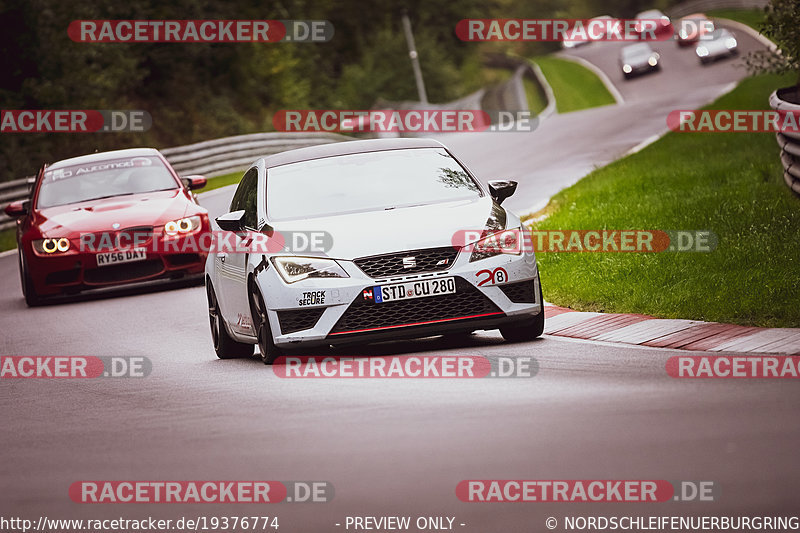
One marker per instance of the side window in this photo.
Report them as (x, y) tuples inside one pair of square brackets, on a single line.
[(246, 197)]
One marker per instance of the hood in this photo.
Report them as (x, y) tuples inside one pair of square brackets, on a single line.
[(144, 209), (407, 228)]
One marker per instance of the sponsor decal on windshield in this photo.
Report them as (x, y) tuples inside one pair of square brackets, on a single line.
[(101, 166)]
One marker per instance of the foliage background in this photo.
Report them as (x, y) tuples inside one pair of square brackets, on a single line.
[(196, 92)]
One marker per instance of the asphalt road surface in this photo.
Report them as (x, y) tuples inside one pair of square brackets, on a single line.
[(593, 411)]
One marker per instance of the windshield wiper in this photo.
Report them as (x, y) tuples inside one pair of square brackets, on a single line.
[(108, 196)]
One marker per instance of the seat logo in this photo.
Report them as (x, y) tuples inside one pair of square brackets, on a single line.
[(409, 262)]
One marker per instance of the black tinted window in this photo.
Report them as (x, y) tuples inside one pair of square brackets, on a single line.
[(246, 198)]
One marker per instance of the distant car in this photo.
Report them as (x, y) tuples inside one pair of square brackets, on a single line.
[(663, 24), (568, 43), (637, 59), (718, 44), (94, 221), (692, 28), (396, 267)]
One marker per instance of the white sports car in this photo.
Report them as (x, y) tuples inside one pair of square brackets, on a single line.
[(398, 264)]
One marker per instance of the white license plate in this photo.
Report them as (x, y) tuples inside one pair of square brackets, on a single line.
[(127, 256), (409, 290)]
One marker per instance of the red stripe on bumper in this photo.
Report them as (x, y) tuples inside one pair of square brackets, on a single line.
[(418, 323)]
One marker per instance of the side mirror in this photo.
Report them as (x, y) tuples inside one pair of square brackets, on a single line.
[(502, 189), (17, 209), (194, 183), (231, 221)]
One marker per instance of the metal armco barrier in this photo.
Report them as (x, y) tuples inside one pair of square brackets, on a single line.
[(788, 141), (210, 158)]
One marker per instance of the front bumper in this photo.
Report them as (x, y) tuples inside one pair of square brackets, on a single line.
[(335, 311), (77, 270)]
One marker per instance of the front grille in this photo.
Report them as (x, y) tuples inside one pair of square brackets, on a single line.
[(62, 277), (138, 236), (387, 265), (365, 314), (521, 292), (182, 259), (300, 319), (123, 272)]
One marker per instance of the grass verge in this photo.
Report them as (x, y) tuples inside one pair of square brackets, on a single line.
[(8, 239), (751, 17), (728, 183), (222, 181), (537, 101), (575, 87)]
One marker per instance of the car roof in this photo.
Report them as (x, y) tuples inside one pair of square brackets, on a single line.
[(346, 148), (104, 156), (650, 12)]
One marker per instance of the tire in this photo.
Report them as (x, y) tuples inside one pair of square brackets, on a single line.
[(225, 346), (258, 311), (28, 290), (527, 330)]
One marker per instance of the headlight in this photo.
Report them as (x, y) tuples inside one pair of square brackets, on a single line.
[(182, 226), (294, 269), (51, 246), (702, 51), (508, 241), (684, 34), (626, 69), (568, 44), (653, 61), (731, 43)]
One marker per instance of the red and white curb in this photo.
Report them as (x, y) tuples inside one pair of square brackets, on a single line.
[(668, 333)]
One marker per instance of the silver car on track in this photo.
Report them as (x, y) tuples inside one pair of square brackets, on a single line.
[(416, 247)]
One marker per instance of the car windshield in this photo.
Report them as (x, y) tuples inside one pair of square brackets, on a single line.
[(64, 185), (366, 182), (636, 50), (719, 34)]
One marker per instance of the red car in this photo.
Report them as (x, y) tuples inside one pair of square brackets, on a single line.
[(108, 219)]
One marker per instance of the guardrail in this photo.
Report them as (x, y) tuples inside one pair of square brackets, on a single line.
[(508, 95), (210, 158), (788, 141), (699, 6)]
